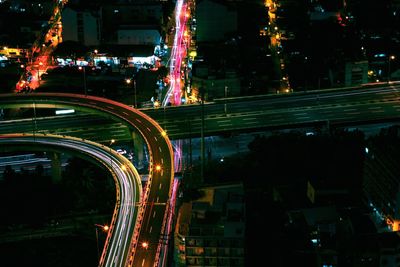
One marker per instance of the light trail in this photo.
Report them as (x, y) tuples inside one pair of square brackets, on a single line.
[(127, 183), (174, 96), (169, 229), (41, 51), (178, 53), (148, 128)]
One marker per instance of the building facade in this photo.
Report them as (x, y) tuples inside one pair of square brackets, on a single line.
[(81, 26), (210, 231), (215, 20)]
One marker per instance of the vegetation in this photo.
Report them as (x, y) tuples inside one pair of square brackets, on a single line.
[(32, 198)]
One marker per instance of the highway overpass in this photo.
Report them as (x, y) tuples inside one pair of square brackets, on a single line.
[(335, 108), (156, 200), (127, 183)]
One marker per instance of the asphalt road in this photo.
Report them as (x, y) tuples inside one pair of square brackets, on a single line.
[(155, 202), (336, 107), (127, 181)]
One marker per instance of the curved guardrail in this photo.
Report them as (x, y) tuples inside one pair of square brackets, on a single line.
[(160, 150)]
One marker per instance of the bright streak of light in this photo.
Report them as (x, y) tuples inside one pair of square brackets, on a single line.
[(43, 48), (177, 54), (177, 145), (170, 218), (64, 111)]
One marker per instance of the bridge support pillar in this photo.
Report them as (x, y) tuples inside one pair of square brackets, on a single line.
[(55, 167), (138, 148)]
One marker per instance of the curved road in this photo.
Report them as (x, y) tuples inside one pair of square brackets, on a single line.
[(155, 202), (127, 182)]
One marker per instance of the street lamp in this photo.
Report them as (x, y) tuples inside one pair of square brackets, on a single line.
[(112, 141), (134, 88), (389, 60), (145, 245), (84, 78), (156, 104), (128, 81), (226, 95), (158, 168), (38, 72), (104, 228)]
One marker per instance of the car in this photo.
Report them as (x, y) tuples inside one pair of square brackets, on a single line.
[(121, 151)]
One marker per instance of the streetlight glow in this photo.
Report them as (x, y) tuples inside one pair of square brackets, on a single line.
[(105, 228), (392, 57), (158, 167), (145, 245), (84, 78)]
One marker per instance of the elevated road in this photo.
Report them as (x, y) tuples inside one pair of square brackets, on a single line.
[(127, 183), (155, 202), (334, 107)]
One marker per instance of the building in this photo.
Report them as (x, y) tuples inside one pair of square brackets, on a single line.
[(81, 26), (122, 22), (138, 35), (381, 183), (389, 244), (14, 53), (227, 85), (356, 73), (210, 231), (379, 249), (216, 20)]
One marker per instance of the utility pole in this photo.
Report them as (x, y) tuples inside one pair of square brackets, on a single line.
[(38, 72), (134, 88), (190, 145), (226, 95), (84, 78), (202, 133), (390, 58), (34, 121)]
